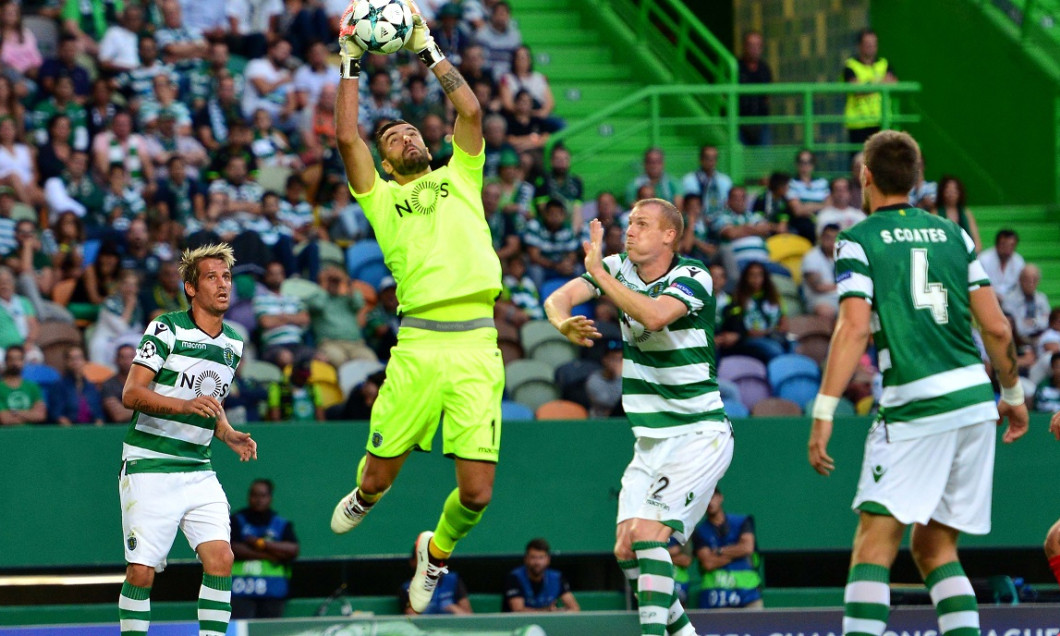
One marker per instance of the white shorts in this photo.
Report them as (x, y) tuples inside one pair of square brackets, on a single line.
[(947, 477), (671, 480), (154, 505)]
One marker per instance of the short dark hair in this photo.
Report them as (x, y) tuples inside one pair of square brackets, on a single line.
[(555, 203), (538, 544), (864, 33), (15, 347), (1054, 358), (270, 195), (778, 179), (1054, 314), (267, 482), (831, 184), (831, 227), (893, 158), (1005, 233)]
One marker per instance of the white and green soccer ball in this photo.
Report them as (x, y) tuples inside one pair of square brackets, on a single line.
[(382, 26)]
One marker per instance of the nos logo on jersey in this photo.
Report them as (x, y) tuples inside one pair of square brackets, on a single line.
[(424, 198), (205, 383)]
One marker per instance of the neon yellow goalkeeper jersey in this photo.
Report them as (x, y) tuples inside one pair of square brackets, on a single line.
[(436, 241)]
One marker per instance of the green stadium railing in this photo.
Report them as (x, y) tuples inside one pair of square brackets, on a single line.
[(730, 121)]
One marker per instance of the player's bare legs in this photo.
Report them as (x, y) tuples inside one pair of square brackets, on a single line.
[(876, 540), (868, 593), (934, 548), (375, 475), (641, 550), (139, 575)]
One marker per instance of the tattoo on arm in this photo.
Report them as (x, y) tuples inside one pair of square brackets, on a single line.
[(451, 80), (142, 406), (1013, 364)]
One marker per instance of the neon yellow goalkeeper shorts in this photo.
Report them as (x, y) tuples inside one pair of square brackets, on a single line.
[(453, 378)]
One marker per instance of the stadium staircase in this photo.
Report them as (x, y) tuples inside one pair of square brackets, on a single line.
[(1039, 231), (585, 49)]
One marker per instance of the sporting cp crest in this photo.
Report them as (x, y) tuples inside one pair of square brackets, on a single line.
[(230, 357)]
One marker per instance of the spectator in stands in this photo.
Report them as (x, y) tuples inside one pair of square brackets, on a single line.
[(1047, 397), (271, 147), (264, 545), (54, 153), (120, 317), (219, 117), (925, 193), (18, 318), (526, 131), (165, 295), (77, 192), (251, 23), (418, 105), (864, 110), (179, 197), (18, 45), (121, 146), (30, 264), (742, 233), (311, 77), (1002, 263), (101, 107), (534, 587), (1025, 355), (818, 275), (754, 70), (558, 183), (162, 103), (755, 316), (75, 400), (207, 18), (951, 206), (358, 405), (1028, 306), (334, 318), (708, 183), (840, 212), (655, 175), (65, 63), (1049, 341), (283, 320), (604, 385), (294, 399), (499, 39), (119, 48), (121, 200), (303, 23), (719, 281), (137, 84), (517, 195), (450, 594), (504, 228), (62, 127), (523, 77), (243, 195), (18, 170), (451, 35), (700, 241), (381, 324), (551, 245), (114, 411), (180, 45), (495, 137), (773, 204), (270, 85), (807, 195), (857, 162), (10, 105), (520, 294), (21, 400), (725, 547), (438, 143), (380, 105)]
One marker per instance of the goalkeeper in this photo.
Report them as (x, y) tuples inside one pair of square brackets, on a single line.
[(436, 242)]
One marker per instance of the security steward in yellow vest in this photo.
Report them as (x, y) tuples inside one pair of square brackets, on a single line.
[(864, 111)]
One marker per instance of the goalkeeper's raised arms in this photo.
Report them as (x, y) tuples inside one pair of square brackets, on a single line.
[(421, 42)]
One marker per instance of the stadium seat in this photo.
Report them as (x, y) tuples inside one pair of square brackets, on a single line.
[(561, 410), (97, 373), (513, 411), (510, 351), (55, 338), (542, 342), (273, 178), (789, 295), (89, 251), (324, 376), (791, 365), (355, 372), (730, 396), (788, 250), (845, 408), (530, 382), (799, 390), (331, 254), (749, 375), (813, 346), (261, 372), (249, 352), (776, 407), (42, 374), (864, 405), (551, 285), (364, 261), (304, 290)]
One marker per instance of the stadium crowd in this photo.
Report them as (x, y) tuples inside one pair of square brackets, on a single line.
[(130, 131)]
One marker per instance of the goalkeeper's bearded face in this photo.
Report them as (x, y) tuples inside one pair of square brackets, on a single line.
[(404, 149)]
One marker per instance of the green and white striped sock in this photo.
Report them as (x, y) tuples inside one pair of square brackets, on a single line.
[(134, 609), (867, 600), (215, 604), (655, 586), (632, 572), (677, 623), (954, 600)]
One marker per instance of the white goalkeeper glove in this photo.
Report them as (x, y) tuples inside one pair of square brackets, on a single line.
[(350, 52), (421, 42)]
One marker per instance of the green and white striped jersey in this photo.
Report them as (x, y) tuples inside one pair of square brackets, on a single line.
[(188, 363), (917, 270), (669, 379)]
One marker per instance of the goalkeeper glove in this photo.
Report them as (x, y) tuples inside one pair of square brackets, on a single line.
[(421, 42), (350, 52)]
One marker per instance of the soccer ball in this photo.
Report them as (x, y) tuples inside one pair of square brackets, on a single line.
[(381, 26)]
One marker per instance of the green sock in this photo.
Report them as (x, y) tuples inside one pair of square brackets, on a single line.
[(134, 609), (954, 600), (655, 586), (215, 604), (456, 521), (867, 600), (632, 572), (677, 623)]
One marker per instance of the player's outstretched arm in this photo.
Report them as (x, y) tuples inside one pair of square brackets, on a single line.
[(467, 132), (138, 396), (360, 168), (578, 329), (851, 334), (997, 340)]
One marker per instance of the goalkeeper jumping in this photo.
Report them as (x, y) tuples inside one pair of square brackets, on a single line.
[(435, 240)]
